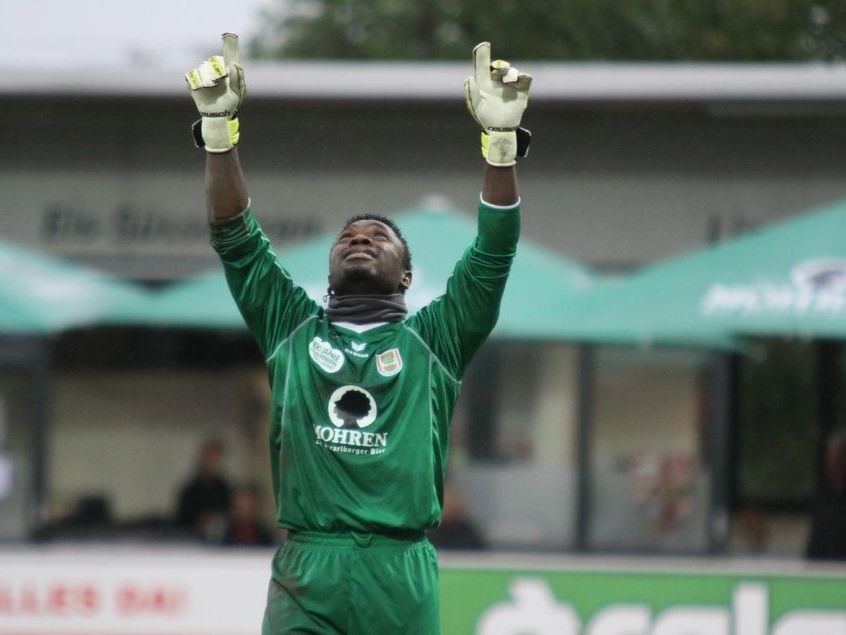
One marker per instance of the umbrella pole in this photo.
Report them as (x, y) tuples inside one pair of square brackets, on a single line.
[(719, 448), (41, 389), (584, 432)]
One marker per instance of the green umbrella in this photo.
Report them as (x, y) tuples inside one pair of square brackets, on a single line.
[(788, 279), (541, 282), (41, 294)]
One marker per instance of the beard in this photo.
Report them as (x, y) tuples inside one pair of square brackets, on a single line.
[(359, 279), (357, 273)]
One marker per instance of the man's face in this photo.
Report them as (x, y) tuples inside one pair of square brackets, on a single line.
[(367, 258), (211, 459)]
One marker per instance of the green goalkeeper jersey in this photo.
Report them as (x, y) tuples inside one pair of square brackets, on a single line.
[(359, 432)]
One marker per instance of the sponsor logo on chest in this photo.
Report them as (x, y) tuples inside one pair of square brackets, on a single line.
[(324, 355), (356, 349), (351, 409)]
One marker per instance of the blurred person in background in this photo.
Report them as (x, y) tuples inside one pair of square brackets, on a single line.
[(362, 393), (456, 530), (205, 498), (827, 539), (244, 527), (87, 518)]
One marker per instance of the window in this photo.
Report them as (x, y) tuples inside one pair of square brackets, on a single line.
[(648, 475), (514, 457)]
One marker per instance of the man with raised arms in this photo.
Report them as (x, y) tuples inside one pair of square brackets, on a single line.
[(362, 392)]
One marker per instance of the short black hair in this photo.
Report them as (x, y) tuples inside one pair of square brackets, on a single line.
[(406, 261)]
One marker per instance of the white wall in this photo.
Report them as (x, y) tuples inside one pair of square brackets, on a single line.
[(645, 408), (612, 185), (133, 436)]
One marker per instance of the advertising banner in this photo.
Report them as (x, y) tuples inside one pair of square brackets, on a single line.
[(131, 591), (616, 602)]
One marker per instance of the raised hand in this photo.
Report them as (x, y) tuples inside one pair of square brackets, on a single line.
[(496, 96), (218, 89)]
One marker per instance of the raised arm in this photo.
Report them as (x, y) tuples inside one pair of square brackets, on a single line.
[(499, 186), (496, 95), (226, 190), (271, 304), (218, 89), (456, 324)]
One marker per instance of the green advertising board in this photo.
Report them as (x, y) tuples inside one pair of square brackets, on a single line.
[(578, 602)]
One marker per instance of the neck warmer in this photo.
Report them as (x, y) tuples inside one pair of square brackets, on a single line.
[(364, 309)]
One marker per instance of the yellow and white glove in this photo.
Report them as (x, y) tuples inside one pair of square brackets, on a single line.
[(496, 96), (218, 89)]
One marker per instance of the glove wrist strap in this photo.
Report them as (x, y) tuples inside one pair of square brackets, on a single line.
[(499, 147), (523, 138), (216, 134)]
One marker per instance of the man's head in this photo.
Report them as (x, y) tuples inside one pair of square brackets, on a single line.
[(370, 256), (210, 459)]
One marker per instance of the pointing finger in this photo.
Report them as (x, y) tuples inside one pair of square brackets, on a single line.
[(231, 53), (482, 62)]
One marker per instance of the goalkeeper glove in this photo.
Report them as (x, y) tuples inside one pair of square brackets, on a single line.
[(218, 90), (496, 96)]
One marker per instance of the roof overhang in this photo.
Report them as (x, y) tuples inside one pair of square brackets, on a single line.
[(553, 82)]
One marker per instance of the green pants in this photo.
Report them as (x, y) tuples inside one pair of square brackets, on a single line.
[(353, 584)]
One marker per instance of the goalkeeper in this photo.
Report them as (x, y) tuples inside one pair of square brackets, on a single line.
[(362, 393)]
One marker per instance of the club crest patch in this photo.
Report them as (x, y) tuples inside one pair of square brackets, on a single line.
[(389, 363), (328, 358)]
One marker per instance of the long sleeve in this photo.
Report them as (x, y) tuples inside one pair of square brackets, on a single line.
[(455, 324), (271, 304)]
